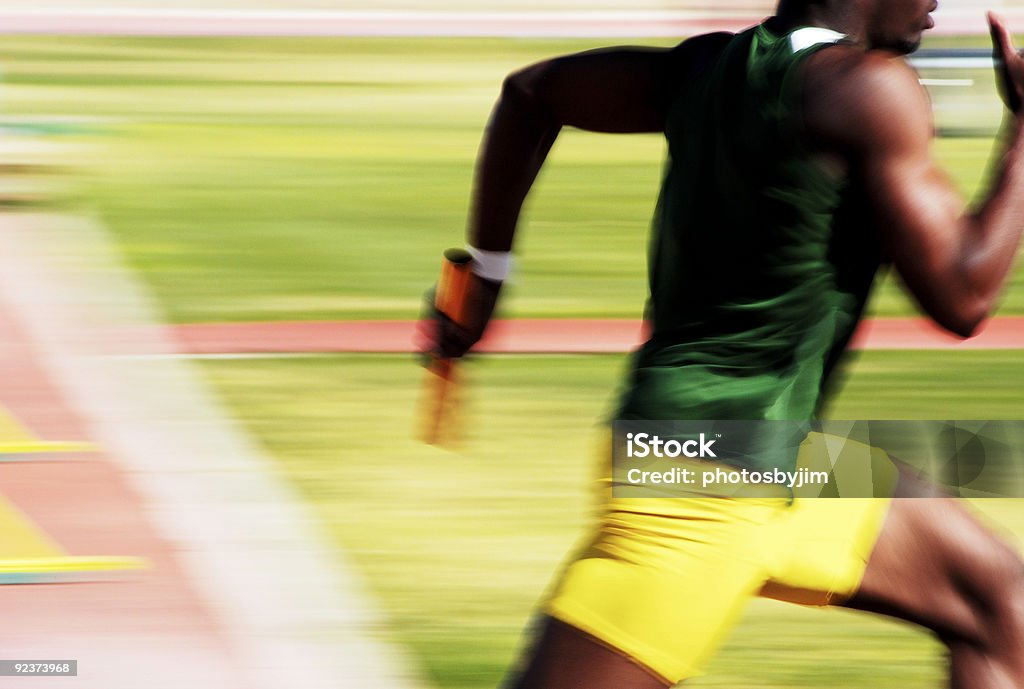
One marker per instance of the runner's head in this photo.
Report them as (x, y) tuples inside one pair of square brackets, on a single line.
[(898, 25), (895, 25)]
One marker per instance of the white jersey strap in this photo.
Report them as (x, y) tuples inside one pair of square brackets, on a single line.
[(810, 36)]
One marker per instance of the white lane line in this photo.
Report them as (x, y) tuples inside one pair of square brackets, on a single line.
[(295, 614), (946, 82)]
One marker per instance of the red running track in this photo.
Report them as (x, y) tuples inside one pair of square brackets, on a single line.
[(149, 628), (541, 336)]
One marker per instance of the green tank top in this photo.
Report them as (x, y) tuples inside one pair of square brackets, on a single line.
[(758, 275)]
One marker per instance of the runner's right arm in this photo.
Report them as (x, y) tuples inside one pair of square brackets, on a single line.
[(870, 110)]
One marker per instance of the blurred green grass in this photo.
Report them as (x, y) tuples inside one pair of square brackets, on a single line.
[(459, 546), (279, 179)]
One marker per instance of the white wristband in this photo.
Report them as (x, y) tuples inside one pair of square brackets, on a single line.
[(491, 265)]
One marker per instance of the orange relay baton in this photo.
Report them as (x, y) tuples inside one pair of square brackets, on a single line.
[(440, 390)]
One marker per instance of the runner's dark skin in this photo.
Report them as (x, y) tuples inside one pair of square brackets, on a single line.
[(867, 118)]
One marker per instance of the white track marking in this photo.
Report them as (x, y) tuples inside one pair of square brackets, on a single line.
[(952, 62), (293, 612), (947, 82)]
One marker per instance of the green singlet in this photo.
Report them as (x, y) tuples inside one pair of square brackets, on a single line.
[(759, 265)]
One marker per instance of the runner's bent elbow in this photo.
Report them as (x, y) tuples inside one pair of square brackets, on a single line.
[(523, 90)]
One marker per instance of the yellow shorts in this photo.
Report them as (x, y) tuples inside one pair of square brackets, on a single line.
[(663, 580)]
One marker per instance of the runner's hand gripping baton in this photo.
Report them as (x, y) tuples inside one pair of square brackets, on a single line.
[(440, 391)]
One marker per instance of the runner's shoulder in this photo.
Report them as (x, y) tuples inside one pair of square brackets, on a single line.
[(851, 93), (697, 53), (850, 73)]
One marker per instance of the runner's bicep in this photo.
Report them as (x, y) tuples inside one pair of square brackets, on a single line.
[(613, 90)]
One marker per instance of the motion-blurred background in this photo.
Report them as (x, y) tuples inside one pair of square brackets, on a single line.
[(272, 179)]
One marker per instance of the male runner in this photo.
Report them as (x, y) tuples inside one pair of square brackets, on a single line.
[(798, 158)]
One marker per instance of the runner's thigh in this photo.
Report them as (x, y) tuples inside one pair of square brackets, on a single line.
[(935, 565)]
